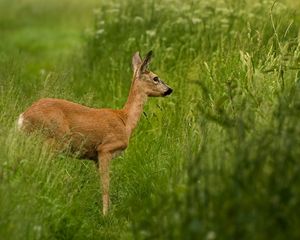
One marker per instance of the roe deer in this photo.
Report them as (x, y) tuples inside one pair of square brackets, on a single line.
[(97, 134)]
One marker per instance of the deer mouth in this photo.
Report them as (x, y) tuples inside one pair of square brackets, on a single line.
[(168, 92)]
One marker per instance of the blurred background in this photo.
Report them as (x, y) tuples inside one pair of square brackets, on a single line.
[(218, 159)]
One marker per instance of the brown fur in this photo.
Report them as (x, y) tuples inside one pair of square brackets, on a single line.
[(98, 134)]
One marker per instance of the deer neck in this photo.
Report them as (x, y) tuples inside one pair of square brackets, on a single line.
[(134, 106)]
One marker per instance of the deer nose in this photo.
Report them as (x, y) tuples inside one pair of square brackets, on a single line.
[(168, 92)]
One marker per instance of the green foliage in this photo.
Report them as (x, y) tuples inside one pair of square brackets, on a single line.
[(218, 159)]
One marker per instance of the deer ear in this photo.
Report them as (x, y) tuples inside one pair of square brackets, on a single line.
[(146, 61), (136, 61)]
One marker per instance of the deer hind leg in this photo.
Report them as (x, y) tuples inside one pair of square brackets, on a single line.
[(104, 160), (57, 132)]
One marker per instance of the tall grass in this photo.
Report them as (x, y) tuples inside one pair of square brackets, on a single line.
[(218, 159)]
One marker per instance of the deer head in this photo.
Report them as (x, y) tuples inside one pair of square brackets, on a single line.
[(147, 81)]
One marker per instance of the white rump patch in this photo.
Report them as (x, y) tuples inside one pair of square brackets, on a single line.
[(20, 121)]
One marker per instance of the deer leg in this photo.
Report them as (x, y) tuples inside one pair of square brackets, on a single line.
[(104, 160), (105, 154)]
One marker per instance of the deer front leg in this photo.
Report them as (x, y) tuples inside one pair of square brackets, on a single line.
[(105, 153), (104, 160)]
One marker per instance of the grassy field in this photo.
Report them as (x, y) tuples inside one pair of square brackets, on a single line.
[(218, 159)]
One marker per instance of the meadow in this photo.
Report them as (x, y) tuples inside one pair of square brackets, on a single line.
[(218, 159)]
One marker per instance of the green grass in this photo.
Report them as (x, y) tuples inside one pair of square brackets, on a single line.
[(218, 159)]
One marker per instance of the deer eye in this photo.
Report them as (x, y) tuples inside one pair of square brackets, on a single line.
[(156, 79)]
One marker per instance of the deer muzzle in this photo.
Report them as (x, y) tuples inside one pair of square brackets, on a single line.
[(168, 92)]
